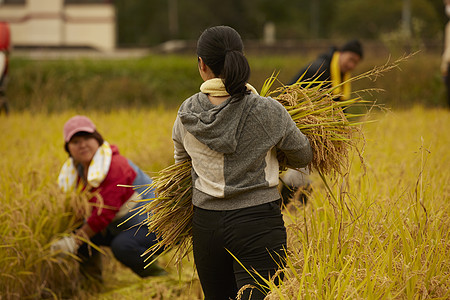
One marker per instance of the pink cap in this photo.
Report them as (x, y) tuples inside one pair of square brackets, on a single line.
[(77, 124)]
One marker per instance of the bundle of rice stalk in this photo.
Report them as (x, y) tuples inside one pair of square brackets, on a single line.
[(332, 133), (170, 213)]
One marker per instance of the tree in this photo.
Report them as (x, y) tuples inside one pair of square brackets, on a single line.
[(150, 22), (361, 18)]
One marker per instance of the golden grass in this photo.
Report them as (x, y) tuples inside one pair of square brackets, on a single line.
[(387, 235), (375, 242), (34, 211)]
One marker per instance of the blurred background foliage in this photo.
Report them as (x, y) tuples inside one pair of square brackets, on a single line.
[(304, 29), (165, 20), (162, 80)]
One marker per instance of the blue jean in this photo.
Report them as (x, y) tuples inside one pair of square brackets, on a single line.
[(256, 236), (127, 246), (128, 241)]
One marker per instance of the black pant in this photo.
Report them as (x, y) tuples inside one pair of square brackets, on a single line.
[(256, 236)]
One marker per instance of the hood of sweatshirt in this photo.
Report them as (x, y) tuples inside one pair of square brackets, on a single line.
[(217, 126)]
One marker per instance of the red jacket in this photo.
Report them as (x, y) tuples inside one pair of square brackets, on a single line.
[(120, 172)]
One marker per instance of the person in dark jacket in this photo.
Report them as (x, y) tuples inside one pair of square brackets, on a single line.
[(333, 67)]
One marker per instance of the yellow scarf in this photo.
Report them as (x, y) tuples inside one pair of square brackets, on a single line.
[(98, 169), (216, 88), (341, 86)]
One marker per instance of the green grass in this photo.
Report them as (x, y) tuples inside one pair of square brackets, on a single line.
[(166, 80), (100, 84)]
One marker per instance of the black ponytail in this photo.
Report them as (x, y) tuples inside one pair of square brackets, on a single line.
[(221, 49)]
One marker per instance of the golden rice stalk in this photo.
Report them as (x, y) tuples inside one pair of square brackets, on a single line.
[(330, 130), (80, 205), (170, 213), (332, 133)]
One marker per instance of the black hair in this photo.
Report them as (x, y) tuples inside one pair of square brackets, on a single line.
[(353, 46), (222, 50), (94, 134)]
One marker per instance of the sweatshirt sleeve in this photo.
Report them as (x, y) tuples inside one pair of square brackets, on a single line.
[(294, 144), (178, 133)]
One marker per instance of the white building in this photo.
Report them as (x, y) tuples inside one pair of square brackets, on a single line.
[(61, 23)]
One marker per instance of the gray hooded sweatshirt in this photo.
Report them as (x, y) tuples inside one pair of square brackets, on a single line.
[(233, 149)]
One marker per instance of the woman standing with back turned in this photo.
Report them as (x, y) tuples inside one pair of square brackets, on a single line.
[(232, 135)]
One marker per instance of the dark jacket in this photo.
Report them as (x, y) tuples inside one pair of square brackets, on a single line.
[(318, 69)]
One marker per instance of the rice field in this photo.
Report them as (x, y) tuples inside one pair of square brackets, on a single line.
[(383, 233)]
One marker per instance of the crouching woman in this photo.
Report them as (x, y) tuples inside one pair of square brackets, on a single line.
[(96, 168)]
